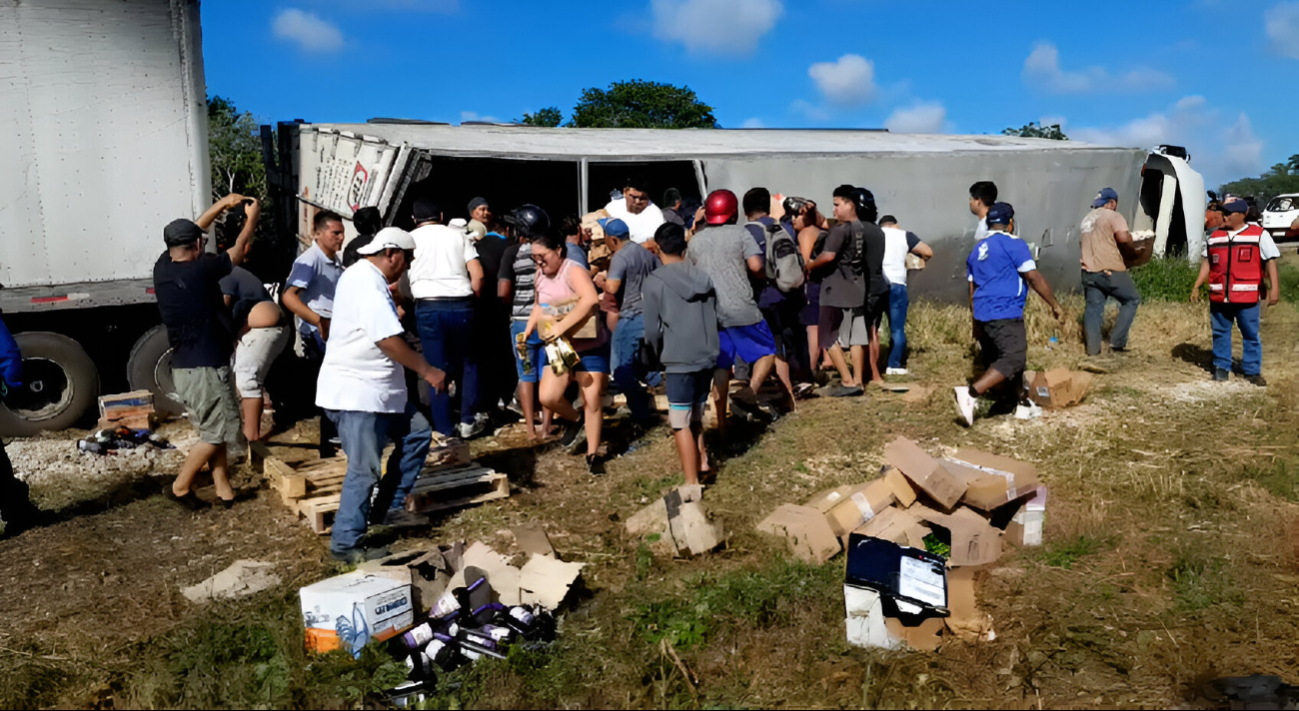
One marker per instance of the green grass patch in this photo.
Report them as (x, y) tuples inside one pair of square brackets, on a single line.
[(1200, 582), (762, 598), (1066, 553), (1281, 478), (1288, 275), (1166, 279)]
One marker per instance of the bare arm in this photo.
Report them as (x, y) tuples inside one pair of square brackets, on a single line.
[(807, 242), (475, 276), (611, 286), (239, 250), (756, 266), (1201, 279), (923, 251), (533, 319), (1274, 283), (1043, 289), (505, 291), (822, 259), (395, 347), (205, 220), (292, 301)]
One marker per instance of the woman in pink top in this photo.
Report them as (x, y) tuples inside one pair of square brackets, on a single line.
[(558, 281)]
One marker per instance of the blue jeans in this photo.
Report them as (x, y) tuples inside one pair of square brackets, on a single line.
[(627, 339), (364, 436), (898, 303), (445, 330), (1246, 318), (1099, 287)]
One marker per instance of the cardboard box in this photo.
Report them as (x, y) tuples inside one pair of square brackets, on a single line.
[(901, 488), (1020, 477), (688, 523), (924, 471), (349, 611), (864, 619), (1056, 389), (974, 541), (848, 507), (925, 636), (966, 620), (806, 530), (1025, 528), (899, 526)]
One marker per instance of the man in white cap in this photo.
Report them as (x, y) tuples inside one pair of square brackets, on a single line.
[(363, 391)]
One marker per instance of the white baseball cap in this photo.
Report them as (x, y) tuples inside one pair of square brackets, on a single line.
[(388, 238)]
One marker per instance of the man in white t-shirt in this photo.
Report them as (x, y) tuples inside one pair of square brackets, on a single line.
[(898, 243), (445, 280), (983, 195), (640, 214), (362, 389)]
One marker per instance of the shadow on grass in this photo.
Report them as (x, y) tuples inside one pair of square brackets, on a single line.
[(1198, 356)]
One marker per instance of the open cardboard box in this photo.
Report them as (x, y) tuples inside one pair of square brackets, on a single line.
[(806, 530), (1058, 388), (973, 539), (925, 472), (848, 507), (991, 480)]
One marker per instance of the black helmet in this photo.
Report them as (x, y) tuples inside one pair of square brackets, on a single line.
[(530, 221)]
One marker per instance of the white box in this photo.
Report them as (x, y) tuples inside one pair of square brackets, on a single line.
[(349, 611), (865, 619)]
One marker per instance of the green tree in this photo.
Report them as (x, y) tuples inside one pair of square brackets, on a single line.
[(1265, 187), (549, 117), (1293, 163), (642, 104), (1036, 130), (235, 151)]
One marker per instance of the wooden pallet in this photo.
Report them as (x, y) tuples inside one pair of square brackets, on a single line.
[(313, 490)]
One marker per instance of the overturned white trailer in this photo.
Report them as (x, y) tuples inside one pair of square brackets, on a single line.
[(922, 179)]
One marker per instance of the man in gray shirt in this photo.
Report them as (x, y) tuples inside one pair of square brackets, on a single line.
[(630, 265), (728, 255)]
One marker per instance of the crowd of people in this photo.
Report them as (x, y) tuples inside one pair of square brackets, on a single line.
[(435, 334)]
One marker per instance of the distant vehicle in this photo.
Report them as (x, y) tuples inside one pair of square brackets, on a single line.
[(103, 129), (1280, 215)]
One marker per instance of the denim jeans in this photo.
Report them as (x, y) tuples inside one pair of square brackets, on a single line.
[(627, 339), (898, 303), (445, 331), (1246, 318), (1098, 287), (364, 436)]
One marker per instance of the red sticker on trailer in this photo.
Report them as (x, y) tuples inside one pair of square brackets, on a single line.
[(48, 299), (360, 177)]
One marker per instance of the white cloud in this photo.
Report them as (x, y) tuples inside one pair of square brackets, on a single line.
[(1282, 25), (848, 81), (809, 110), (731, 27), (1222, 144), (930, 117), (1042, 69), (753, 123), (473, 116), (308, 31)]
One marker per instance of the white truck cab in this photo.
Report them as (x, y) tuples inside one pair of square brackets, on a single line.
[(1281, 217)]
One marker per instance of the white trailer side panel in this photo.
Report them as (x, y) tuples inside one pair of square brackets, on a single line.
[(103, 128), (343, 172)]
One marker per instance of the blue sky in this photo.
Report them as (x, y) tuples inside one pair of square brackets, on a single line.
[(1216, 76)]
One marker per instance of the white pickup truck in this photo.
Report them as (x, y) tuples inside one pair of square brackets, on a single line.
[(1281, 217), (103, 129)]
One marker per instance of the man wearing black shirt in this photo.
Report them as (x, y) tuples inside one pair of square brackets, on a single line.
[(186, 281)]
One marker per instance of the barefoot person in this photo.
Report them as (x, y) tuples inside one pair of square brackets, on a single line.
[(362, 389), (998, 270), (563, 282), (186, 281), (680, 309)]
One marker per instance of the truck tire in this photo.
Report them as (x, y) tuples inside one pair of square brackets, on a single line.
[(60, 383), (149, 368)]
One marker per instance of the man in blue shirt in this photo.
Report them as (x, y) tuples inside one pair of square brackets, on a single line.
[(16, 510), (1000, 271)]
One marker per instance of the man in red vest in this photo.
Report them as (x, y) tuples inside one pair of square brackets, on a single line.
[(1233, 263)]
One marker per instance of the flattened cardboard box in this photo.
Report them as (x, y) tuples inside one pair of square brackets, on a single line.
[(925, 472), (809, 535), (899, 526), (848, 507), (901, 488)]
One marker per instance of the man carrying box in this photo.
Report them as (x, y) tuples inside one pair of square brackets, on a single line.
[(999, 270)]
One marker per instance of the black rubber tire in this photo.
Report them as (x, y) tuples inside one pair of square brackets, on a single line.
[(149, 368), (80, 386)]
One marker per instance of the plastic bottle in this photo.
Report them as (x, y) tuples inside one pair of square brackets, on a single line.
[(502, 635), (487, 613), (476, 644), (418, 637), (521, 620), (441, 651)]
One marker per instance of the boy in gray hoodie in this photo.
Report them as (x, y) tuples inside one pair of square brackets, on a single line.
[(680, 308)]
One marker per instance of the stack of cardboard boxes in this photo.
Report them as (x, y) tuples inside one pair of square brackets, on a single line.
[(956, 513)]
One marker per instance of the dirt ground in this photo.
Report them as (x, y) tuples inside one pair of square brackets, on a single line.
[(1169, 557)]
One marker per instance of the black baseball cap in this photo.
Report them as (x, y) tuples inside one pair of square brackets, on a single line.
[(181, 232), (426, 209)]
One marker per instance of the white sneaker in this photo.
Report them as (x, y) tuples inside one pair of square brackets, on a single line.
[(895, 371), (965, 405)]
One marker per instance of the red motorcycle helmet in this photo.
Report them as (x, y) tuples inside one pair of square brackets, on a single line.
[(720, 207)]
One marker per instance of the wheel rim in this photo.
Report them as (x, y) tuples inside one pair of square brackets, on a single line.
[(162, 376), (46, 392)]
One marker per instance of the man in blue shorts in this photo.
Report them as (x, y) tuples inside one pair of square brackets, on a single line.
[(728, 255), (680, 311), (1000, 271)]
